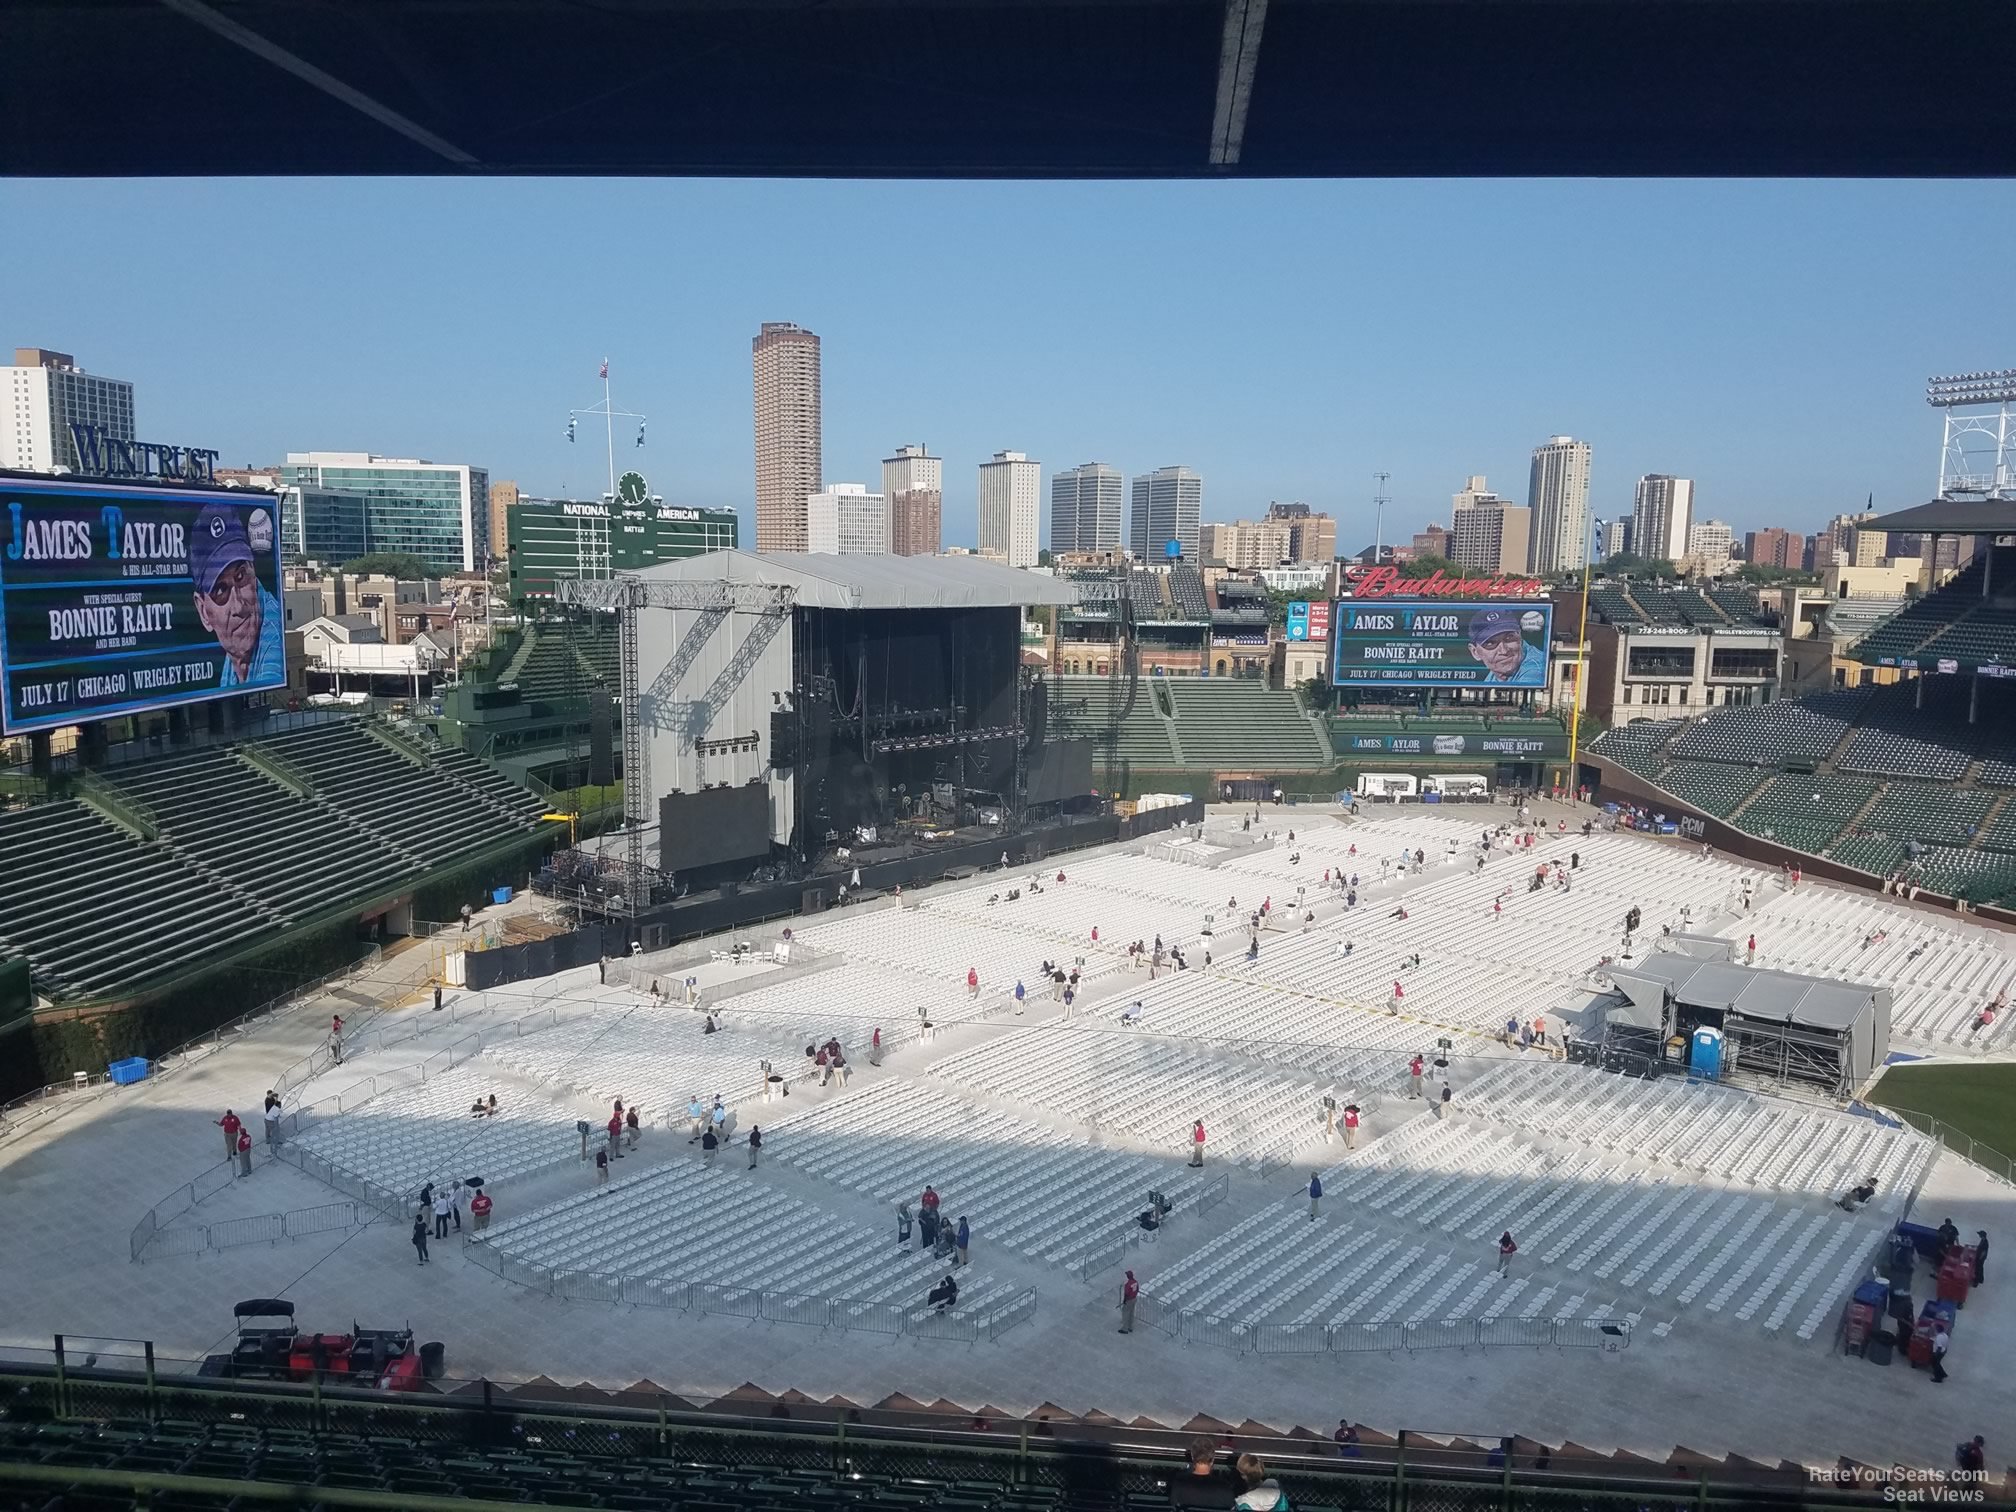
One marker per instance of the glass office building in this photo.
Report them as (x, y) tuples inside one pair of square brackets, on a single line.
[(342, 505)]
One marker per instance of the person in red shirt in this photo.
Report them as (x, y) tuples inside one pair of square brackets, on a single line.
[(929, 1200), (1130, 1291), (615, 1127), (1197, 1143), (1750, 952), (479, 1206), (875, 1048), (244, 1152), (1350, 1126), (1414, 1077), (1507, 1248), (972, 981), (230, 1125)]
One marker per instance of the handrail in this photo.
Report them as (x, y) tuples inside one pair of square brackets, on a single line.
[(1995, 1164)]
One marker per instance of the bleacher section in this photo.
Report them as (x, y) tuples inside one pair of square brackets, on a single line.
[(1709, 785), (1805, 812), (1144, 734), (1186, 588), (234, 851), (93, 908), (555, 660), (1789, 730), (1638, 745), (1242, 723)]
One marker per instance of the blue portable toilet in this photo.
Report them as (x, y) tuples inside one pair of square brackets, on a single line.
[(1706, 1059)]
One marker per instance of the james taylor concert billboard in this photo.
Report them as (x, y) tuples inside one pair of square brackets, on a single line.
[(1387, 643), (115, 600)]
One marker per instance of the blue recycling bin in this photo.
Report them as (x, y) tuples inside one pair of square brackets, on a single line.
[(501, 895), (1705, 1059), (124, 1073)]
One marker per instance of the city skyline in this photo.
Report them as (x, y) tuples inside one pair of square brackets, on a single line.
[(1301, 386)]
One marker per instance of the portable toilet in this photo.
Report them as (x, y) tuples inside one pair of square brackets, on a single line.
[(1706, 1059)]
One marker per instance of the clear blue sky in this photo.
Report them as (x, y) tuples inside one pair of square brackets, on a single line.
[(1287, 340)]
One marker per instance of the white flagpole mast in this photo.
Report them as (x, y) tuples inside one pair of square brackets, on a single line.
[(609, 413)]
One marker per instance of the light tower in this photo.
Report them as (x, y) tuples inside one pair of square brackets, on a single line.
[(1977, 457)]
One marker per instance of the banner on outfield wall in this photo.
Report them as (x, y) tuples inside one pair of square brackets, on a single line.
[(1522, 747), (120, 599)]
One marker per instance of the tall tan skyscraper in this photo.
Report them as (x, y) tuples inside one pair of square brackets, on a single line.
[(788, 451), (913, 481), (503, 498)]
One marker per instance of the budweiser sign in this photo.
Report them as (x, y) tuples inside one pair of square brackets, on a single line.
[(1386, 582)]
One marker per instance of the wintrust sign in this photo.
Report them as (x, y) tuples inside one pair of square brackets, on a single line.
[(1386, 582)]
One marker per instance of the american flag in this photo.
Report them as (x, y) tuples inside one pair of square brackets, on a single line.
[(605, 369)]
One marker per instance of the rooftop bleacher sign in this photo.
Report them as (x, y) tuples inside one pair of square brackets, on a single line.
[(103, 456), (1386, 582)]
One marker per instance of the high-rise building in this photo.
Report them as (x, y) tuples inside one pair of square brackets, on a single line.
[(1491, 535), (1558, 495), (1662, 512), (1011, 507), (846, 519), (1775, 548), (789, 455), (1312, 535), (44, 394), (1085, 508), (503, 498), (341, 505), (1245, 543), (1616, 540), (1710, 546), (553, 539), (1168, 506), (913, 481), (1434, 541), (1472, 492)]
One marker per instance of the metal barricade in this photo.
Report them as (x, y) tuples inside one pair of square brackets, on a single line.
[(587, 1286), (1017, 1309), (653, 1291), (302, 1222), (1290, 1338), (1446, 1333), (356, 1094), (1102, 1259), (1213, 1193), (930, 1323), (229, 1233), (142, 1232), (731, 1301), (190, 1239), (1608, 1334), (783, 1307), (1368, 1338), (1221, 1333), (524, 1273), (1515, 1333), (868, 1317)]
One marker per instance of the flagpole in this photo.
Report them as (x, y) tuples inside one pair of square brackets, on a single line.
[(609, 426)]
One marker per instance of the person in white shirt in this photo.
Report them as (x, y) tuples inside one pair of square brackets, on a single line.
[(272, 1121), (442, 1208)]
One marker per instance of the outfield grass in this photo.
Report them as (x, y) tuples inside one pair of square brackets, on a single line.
[(1979, 1101)]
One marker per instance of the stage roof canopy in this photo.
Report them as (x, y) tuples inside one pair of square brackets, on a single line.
[(876, 582), (1007, 88), (1953, 517), (1777, 997)]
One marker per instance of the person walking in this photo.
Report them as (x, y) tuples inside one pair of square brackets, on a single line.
[(1130, 1293), (272, 1118), (1442, 1103), (755, 1144), (708, 1145), (1315, 1193), (615, 1131), (336, 1042), (961, 1237), (229, 1123), (455, 1203), (1070, 1001), (1972, 1455), (1939, 1341), (1197, 1144), (1750, 952), (244, 1152), (420, 1235), (972, 981), (632, 1126), (1018, 995), (1350, 1126), (479, 1209), (601, 1168), (902, 1225), (1414, 1076), (1981, 1256), (875, 1048), (1507, 1248), (718, 1115), (696, 1118), (441, 1207)]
